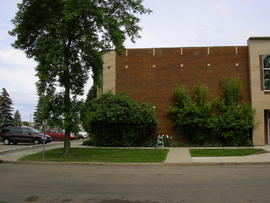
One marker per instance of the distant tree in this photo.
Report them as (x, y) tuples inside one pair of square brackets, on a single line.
[(5, 110), (39, 113), (67, 39), (17, 118), (25, 123)]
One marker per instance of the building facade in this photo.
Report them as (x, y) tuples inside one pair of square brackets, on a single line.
[(151, 75)]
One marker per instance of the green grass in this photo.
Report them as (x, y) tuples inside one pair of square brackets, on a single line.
[(102, 155), (224, 152)]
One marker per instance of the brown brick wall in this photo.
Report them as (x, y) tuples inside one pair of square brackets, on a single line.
[(153, 78)]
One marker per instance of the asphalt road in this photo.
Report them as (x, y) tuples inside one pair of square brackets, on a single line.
[(133, 183)]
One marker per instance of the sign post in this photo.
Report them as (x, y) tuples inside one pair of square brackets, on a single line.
[(44, 124)]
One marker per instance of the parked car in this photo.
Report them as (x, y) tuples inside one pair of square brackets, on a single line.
[(14, 135), (82, 135), (58, 134)]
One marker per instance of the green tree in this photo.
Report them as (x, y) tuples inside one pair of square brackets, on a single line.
[(49, 109), (67, 39), (17, 118), (5, 110), (26, 123), (41, 112)]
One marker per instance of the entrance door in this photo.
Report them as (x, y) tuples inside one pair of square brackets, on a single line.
[(268, 126)]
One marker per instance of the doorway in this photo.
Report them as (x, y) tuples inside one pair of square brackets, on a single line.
[(267, 126)]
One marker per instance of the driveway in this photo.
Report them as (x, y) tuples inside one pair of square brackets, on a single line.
[(11, 147), (14, 147), (11, 153)]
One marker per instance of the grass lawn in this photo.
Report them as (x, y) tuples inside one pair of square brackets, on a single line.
[(102, 155), (224, 152)]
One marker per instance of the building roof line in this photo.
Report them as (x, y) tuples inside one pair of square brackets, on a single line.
[(259, 38), (187, 47)]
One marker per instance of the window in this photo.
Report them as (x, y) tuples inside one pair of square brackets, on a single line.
[(14, 131), (266, 71), (6, 131), (25, 131)]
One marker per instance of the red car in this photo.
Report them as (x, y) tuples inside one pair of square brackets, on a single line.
[(58, 134)]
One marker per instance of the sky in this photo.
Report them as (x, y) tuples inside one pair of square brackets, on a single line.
[(173, 23)]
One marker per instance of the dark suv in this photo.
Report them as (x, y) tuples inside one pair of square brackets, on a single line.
[(16, 135)]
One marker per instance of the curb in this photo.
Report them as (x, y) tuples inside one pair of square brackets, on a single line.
[(133, 164)]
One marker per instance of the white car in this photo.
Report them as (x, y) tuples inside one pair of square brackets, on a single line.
[(83, 134)]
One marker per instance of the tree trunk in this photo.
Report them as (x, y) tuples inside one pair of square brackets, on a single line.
[(66, 142), (67, 114), (67, 102)]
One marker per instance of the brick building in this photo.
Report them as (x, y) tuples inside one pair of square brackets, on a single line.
[(151, 75)]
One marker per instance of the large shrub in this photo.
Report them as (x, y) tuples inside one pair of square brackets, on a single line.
[(117, 120), (225, 121), (193, 116), (234, 121)]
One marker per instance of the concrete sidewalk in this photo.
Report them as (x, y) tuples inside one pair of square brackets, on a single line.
[(182, 156), (176, 155)]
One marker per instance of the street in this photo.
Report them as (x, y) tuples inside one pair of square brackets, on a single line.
[(133, 183)]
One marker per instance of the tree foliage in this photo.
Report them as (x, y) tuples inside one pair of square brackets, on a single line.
[(117, 120), (224, 121), (235, 121), (231, 91), (49, 109), (26, 123), (6, 118), (193, 116), (67, 38), (17, 118), (92, 94)]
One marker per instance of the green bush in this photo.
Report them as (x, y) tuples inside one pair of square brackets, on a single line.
[(176, 144), (88, 142), (231, 91), (234, 125), (193, 116), (225, 121), (117, 120), (234, 122)]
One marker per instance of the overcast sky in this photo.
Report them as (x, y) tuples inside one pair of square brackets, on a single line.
[(173, 23)]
